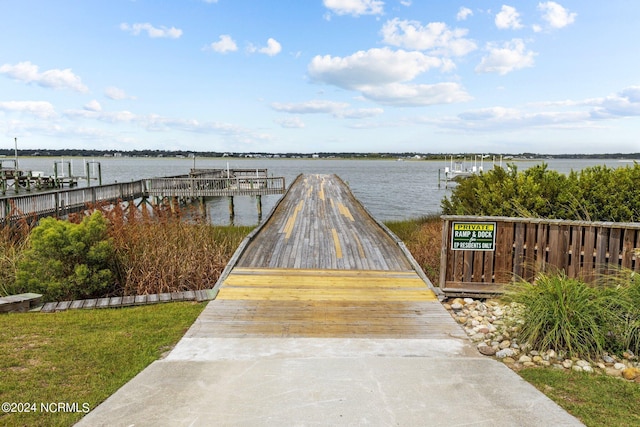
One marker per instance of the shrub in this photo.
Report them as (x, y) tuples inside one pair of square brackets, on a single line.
[(65, 261), (596, 194), (569, 315)]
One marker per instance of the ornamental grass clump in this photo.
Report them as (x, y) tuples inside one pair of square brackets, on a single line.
[(569, 315), (629, 288)]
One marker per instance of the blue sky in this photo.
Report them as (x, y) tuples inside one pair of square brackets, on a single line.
[(321, 75)]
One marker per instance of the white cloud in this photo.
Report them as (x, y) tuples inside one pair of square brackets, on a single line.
[(416, 95), (40, 109), (93, 106), (117, 94), (508, 18), (406, 3), (224, 45), (54, 78), (291, 123), (556, 15), (504, 59), (153, 32), (371, 67), (310, 107), (381, 75), (355, 7), (359, 113), (464, 13), (272, 48), (336, 109), (434, 36), (157, 123), (625, 103)]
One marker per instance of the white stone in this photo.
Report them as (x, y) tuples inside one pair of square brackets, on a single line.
[(582, 363), (505, 352), (619, 366)]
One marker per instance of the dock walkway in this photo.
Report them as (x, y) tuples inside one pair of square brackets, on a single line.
[(323, 322)]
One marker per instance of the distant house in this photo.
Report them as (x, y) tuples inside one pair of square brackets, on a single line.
[(315, 156)]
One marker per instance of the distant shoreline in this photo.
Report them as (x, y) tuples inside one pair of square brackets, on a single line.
[(8, 153)]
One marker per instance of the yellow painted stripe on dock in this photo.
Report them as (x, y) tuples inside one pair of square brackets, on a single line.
[(288, 228), (321, 192), (336, 243), (275, 294), (321, 282), (322, 272), (345, 211)]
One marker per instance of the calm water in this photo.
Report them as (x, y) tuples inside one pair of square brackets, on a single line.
[(391, 190)]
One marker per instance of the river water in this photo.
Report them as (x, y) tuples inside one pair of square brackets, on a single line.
[(389, 189)]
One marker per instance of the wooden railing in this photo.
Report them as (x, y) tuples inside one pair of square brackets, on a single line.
[(63, 202), (227, 173), (524, 247), (214, 187)]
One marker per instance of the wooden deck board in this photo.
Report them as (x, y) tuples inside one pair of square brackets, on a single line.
[(322, 267), (304, 224)]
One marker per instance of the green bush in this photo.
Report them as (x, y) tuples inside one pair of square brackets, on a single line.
[(595, 194), (67, 261)]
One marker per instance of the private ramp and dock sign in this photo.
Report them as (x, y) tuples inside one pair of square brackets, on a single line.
[(473, 236)]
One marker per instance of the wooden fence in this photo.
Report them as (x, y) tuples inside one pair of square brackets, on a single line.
[(523, 247)]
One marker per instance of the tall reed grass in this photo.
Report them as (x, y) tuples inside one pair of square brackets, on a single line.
[(167, 251), (423, 238)]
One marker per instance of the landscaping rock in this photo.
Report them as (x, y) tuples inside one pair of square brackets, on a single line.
[(505, 344), (487, 350), (505, 352), (494, 327), (630, 373)]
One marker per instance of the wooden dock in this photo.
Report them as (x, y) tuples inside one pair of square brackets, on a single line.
[(321, 266), (201, 183)]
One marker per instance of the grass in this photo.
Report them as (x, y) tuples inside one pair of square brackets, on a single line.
[(421, 236), (597, 400), (81, 356)]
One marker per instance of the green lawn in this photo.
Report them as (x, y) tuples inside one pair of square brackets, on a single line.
[(81, 357), (597, 400)]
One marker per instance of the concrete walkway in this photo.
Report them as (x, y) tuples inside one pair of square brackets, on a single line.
[(211, 381), (324, 322)]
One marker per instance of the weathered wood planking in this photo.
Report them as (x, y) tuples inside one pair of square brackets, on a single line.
[(329, 319), (320, 225), (321, 266)]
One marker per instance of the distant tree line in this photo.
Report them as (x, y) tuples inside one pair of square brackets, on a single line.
[(78, 152)]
